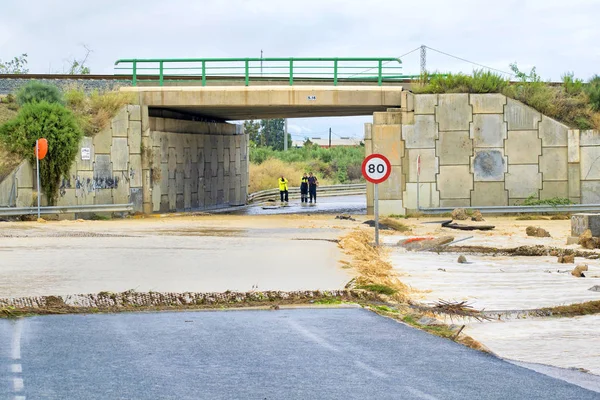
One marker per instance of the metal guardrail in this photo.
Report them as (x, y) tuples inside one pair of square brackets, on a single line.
[(335, 69), (518, 209), (11, 211), (294, 193)]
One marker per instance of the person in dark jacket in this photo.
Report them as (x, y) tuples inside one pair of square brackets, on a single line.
[(313, 182), (304, 189)]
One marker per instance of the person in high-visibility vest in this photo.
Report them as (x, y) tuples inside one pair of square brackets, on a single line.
[(283, 189), (304, 189)]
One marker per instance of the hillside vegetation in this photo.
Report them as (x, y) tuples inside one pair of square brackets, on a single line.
[(575, 103), (8, 160)]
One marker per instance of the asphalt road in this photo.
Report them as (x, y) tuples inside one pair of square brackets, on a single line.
[(356, 205), (285, 354)]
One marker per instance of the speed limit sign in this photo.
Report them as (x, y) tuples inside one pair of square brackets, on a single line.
[(376, 168)]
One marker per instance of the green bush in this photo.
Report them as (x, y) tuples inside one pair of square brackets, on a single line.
[(35, 92), (480, 82), (53, 122), (593, 91)]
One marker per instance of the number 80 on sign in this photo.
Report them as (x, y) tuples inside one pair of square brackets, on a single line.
[(376, 168)]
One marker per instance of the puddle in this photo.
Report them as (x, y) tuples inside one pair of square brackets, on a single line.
[(201, 232)]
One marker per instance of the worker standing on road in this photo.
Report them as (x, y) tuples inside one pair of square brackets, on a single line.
[(313, 182), (304, 189), (283, 189)]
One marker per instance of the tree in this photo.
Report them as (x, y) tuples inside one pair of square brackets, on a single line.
[(35, 92), (18, 65), (272, 133), (252, 128), (53, 122), (78, 67)]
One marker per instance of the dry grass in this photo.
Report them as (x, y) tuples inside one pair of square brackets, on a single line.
[(589, 307), (370, 263), (265, 175), (395, 225)]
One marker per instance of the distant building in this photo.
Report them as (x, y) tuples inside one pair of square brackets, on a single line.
[(324, 142)]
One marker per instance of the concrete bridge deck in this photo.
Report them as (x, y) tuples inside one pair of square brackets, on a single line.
[(256, 102)]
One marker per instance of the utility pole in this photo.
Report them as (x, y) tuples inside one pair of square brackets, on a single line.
[(329, 137), (423, 59), (285, 137)]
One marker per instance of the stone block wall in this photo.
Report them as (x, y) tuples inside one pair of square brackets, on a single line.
[(157, 164), (480, 150), (197, 165)]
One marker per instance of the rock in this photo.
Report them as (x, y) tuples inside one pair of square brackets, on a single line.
[(578, 271), (566, 259), (41, 220), (345, 216), (595, 288), (383, 227), (462, 259), (585, 236), (477, 216), (537, 232), (459, 214), (554, 253)]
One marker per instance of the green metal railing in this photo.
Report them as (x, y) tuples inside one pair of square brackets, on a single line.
[(245, 70)]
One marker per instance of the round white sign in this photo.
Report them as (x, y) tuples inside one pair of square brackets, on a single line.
[(376, 168)]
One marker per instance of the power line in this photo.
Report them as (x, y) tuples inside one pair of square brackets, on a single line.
[(470, 62), (387, 62)]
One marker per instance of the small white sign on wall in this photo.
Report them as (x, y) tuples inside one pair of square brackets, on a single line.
[(86, 153), (312, 97)]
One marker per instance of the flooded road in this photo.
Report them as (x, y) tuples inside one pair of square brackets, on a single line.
[(356, 205)]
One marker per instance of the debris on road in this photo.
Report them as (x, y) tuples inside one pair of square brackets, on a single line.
[(453, 309), (345, 217), (459, 214), (578, 271), (454, 225), (587, 241), (566, 259), (536, 231), (595, 288), (421, 244), (462, 259), (477, 216), (388, 224)]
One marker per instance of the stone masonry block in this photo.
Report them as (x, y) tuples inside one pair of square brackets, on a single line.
[(407, 100), (392, 188), (387, 141), (24, 175), (368, 128), (103, 141), (156, 198), (492, 103), (172, 192), (187, 162), (408, 118), (489, 165), (523, 181), (220, 148), (429, 196), (455, 182), (68, 197), (429, 165), (574, 180), (145, 118), (489, 194), (554, 189), (135, 170), (391, 207), (553, 164), (135, 112), (85, 165), (172, 162), (425, 103), (453, 112), (454, 147), (520, 117), (164, 147), (553, 133), (187, 194), (134, 136), (422, 134), (455, 202), (120, 194), (590, 138), (120, 123), (590, 163), (488, 130), (573, 146), (179, 180), (590, 192), (523, 147), (179, 140), (119, 154), (24, 197)]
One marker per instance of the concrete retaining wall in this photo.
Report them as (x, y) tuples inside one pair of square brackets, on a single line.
[(157, 164), (480, 150)]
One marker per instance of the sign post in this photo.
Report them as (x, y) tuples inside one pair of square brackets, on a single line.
[(376, 168), (41, 148), (418, 176)]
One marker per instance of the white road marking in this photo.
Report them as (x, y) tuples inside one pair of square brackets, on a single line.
[(18, 384), (419, 394), (370, 369), (16, 340), (16, 368), (318, 340)]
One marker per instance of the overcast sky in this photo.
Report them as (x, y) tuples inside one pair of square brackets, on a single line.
[(553, 35)]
